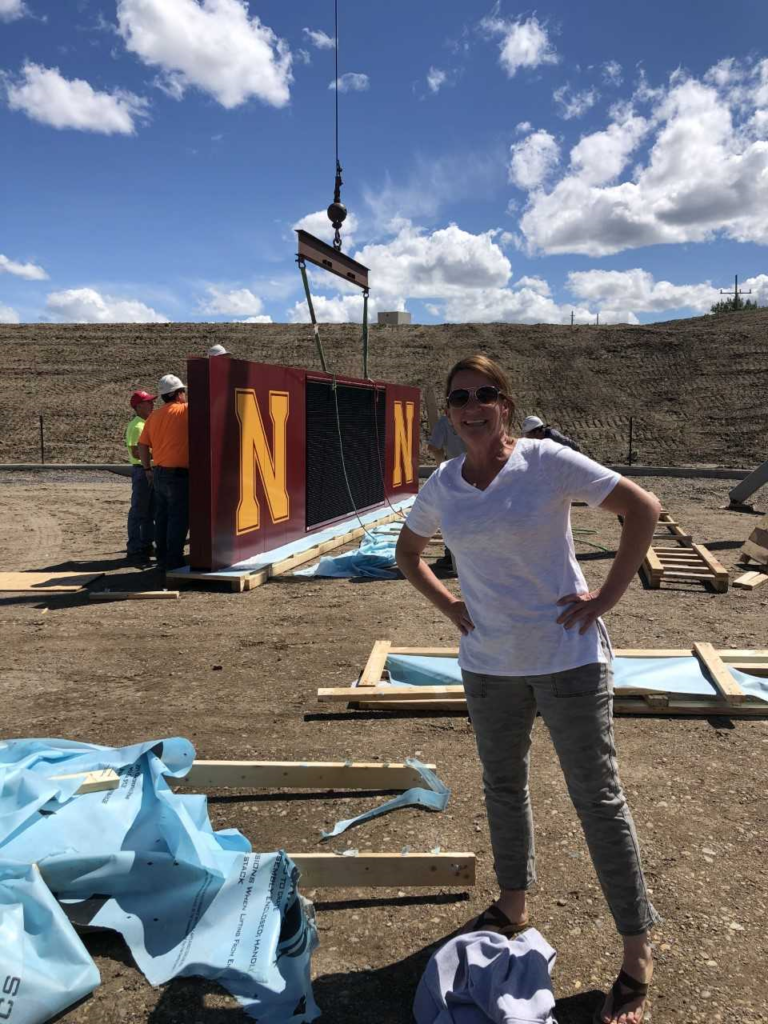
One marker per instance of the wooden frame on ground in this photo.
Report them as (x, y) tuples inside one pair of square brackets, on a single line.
[(369, 694), (319, 870)]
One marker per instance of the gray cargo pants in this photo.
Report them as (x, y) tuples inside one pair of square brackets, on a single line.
[(577, 708)]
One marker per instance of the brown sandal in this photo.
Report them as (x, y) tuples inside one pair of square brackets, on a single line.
[(620, 999), (493, 919)]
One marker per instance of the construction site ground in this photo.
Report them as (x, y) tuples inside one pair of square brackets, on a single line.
[(238, 674), (694, 389)]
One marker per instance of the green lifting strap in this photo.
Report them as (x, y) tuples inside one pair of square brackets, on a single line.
[(315, 328), (365, 334)]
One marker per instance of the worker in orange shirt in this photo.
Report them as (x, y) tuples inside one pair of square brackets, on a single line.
[(166, 434)]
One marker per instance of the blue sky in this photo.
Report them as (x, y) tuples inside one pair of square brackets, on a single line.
[(500, 163)]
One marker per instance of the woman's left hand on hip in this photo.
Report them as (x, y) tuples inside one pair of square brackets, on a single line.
[(582, 610)]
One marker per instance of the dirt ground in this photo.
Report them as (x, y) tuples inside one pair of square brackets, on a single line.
[(694, 389), (124, 672)]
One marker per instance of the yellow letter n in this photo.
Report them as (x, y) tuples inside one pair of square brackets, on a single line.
[(255, 455), (403, 443)]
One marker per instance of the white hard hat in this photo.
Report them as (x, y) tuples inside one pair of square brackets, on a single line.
[(529, 423), (170, 383), (217, 350)]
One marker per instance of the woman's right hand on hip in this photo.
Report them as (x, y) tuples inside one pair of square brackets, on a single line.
[(459, 616)]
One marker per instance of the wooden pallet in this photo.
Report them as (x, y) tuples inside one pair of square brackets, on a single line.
[(370, 693), (673, 556), (674, 530), (683, 565)]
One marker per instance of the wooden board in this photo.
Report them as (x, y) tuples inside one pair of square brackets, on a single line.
[(656, 704), (133, 595), (751, 580), (92, 782), (375, 665), (49, 582), (756, 545), (757, 656), (300, 775), (406, 694), (722, 679), (393, 870)]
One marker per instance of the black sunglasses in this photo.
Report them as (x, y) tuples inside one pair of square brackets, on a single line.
[(488, 394)]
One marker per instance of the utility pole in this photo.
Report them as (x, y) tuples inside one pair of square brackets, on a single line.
[(737, 293), (571, 318), (597, 320)]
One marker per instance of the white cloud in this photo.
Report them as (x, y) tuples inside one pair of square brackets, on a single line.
[(436, 79), (574, 104), (416, 264), (600, 157), (211, 45), (10, 10), (44, 95), (523, 127), (236, 302), (29, 271), (637, 290), (533, 160), (612, 73), (303, 56), (524, 44), (536, 284), (87, 306), (263, 319), (8, 315), (319, 39), (341, 309), (317, 224), (437, 264), (705, 174), (521, 305), (758, 285), (352, 81)]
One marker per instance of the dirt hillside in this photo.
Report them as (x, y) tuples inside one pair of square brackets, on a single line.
[(694, 387)]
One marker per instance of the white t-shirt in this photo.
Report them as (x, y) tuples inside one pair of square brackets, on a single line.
[(515, 557)]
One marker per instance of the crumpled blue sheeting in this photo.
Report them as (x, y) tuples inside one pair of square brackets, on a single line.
[(374, 559), (34, 935), (188, 900), (433, 799), (665, 675)]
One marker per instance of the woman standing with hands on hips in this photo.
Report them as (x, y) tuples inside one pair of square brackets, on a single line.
[(532, 640)]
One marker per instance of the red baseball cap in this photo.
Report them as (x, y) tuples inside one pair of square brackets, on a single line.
[(141, 396)]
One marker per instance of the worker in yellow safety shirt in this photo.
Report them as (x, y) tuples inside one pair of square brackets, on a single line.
[(141, 517)]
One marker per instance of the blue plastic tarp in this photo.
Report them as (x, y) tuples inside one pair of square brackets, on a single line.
[(44, 967), (665, 675), (374, 559), (146, 862), (434, 798)]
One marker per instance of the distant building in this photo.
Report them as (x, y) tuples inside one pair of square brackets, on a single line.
[(394, 319)]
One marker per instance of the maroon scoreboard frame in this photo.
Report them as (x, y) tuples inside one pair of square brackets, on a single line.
[(265, 462)]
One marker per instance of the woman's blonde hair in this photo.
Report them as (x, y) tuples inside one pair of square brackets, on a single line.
[(490, 369)]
